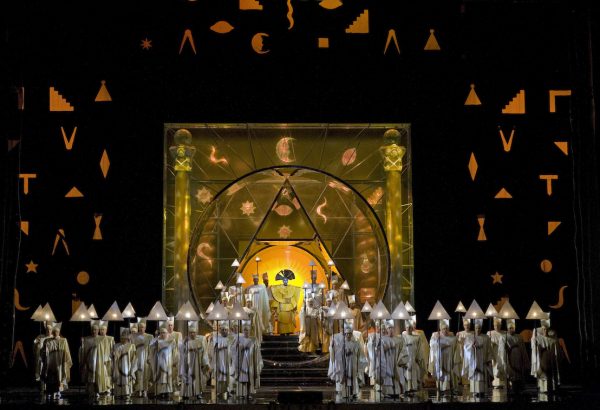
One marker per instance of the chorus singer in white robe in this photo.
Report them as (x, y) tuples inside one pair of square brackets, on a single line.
[(104, 346), (124, 365), (444, 357), (161, 358), (311, 331), (416, 362), (498, 340), (246, 362), (382, 354), (477, 360), (518, 363), (142, 341), (56, 363), (37, 348), (193, 363), (88, 363), (260, 302), (257, 329), (219, 359), (544, 358), (346, 364)]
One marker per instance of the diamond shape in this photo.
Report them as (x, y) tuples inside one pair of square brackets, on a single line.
[(104, 163)]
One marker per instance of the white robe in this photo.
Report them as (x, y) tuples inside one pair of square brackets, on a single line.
[(56, 364), (346, 366), (142, 370), (260, 302), (477, 358), (246, 364), (498, 340), (415, 366), (193, 365), (311, 330), (161, 358), (444, 360), (544, 363), (124, 367), (219, 358)]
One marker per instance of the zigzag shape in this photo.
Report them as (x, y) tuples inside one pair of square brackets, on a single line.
[(58, 102), (516, 105)]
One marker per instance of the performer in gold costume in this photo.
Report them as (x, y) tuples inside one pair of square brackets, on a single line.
[(285, 298)]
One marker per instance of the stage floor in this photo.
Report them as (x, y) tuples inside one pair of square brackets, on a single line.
[(297, 397)]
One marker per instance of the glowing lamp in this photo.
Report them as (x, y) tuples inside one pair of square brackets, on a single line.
[(240, 279), (400, 312), (491, 311), (113, 314), (345, 285), (37, 315), (187, 312), (218, 312), (438, 312), (380, 312), (507, 311), (235, 263), (366, 307), (238, 313), (129, 311), (409, 307), (342, 311), (157, 312), (322, 286), (536, 312), (257, 259), (220, 286), (81, 314), (460, 308), (210, 308), (330, 263), (92, 312), (46, 315), (475, 311)]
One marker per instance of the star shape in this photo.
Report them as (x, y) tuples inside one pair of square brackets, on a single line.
[(247, 208), (203, 195), (497, 278), (146, 44), (284, 231), (31, 267)]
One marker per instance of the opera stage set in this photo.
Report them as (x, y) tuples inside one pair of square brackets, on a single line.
[(390, 161)]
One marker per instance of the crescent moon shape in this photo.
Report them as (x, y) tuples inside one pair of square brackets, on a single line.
[(257, 43), (18, 303), (561, 299), (320, 210)]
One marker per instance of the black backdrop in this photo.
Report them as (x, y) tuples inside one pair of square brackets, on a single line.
[(501, 47)]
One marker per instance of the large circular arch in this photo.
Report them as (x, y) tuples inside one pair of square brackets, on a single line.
[(355, 238)]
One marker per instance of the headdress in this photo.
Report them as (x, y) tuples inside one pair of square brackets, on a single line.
[(192, 326), (285, 274), (351, 299), (103, 324), (57, 326), (511, 323), (444, 323), (124, 332), (478, 322), (265, 276)]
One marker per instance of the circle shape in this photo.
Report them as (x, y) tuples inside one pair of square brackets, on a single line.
[(546, 266), (83, 278)]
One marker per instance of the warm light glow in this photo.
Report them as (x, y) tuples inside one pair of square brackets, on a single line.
[(82, 316), (439, 314), (330, 263), (235, 263), (114, 315), (187, 314), (534, 313), (257, 259), (379, 314), (474, 314), (47, 316), (158, 315)]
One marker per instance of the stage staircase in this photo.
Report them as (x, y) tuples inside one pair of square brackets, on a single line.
[(284, 365)]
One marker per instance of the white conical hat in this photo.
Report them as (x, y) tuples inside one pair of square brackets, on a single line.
[(157, 312), (380, 312), (113, 314), (81, 314), (474, 311), (438, 312), (409, 307)]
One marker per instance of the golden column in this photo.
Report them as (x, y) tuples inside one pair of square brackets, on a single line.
[(400, 287), (182, 152)]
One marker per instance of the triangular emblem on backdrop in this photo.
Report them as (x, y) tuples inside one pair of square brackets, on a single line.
[(473, 98), (432, 43), (103, 94)]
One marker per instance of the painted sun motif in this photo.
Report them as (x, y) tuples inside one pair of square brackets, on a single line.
[(146, 44), (284, 231), (247, 208), (203, 195)]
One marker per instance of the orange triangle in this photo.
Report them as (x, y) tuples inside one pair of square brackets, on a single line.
[(473, 98), (563, 146), (74, 193), (552, 225), (25, 227), (432, 43), (503, 194)]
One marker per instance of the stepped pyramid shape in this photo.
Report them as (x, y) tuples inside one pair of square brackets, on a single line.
[(516, 105), (250, 5), (58, 102), (360, 24)]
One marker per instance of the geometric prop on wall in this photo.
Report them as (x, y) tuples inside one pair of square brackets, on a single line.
[(561, 298), (18, 303), (58, 102), (563, 146), (481, 221), (549, 179), (516, 105), (250, 5), (546, 266), (496, 278), (503, 194), (83, 278), (26, 178), (432, 43), (60, 236), (74, 193), (330, 4), (258, 44), (472, 98), (507, 145), (146, 44), (103, 95), (31, 267), (360, 24), (104, 163), (221, 27), (391, 36), (323, 42), (552, 225), (68, 142), (97, 232), (24, 225), (557, 93), (290, 14), (18, 349), (187, 36), (473, 166)]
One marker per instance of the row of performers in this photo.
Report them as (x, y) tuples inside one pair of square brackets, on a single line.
[(142, 365)]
